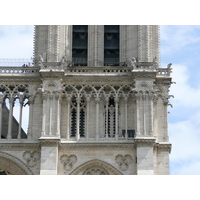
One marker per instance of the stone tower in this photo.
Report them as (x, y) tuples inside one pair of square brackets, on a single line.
[(97, 100)]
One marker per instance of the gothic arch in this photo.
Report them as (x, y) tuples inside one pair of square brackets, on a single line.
[(13, 165), (96, 164)]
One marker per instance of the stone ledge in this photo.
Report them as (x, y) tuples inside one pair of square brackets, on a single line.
[(49, 141), (97, 145), (164, 145), (142, 140)]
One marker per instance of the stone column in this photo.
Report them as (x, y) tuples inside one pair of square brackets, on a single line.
[(138, 114), (68, 117), (125, 117), (116, 118), (11, 102), (95, 45), (44, 96), (50, 113), (107, 100), (20, 116), (1, 109), (123, 43), (68, 42), (97, 117), (88, 117), (78, 100), (144, 114), (30, 102), (57, 108), (151, 115)]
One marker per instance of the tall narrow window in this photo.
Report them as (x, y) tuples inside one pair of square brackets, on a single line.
[(111, 45), (110, 119), (81, 115), (80, 45)]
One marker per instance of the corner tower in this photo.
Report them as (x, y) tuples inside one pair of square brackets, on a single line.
[(98, 100)]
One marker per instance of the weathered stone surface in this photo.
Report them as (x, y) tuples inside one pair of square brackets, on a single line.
[(92, 119)]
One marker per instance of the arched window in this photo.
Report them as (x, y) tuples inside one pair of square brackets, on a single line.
[(80, 45), (110, 118), (75, 113), (111, 45)]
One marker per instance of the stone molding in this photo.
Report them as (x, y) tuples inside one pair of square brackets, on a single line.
[(165, 146), (96, 145), (96, 163), (13, 165), (18, 146), (49, 141), (144, 140), (95, 171)]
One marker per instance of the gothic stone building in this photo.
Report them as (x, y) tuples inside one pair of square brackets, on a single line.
[(97, 100)]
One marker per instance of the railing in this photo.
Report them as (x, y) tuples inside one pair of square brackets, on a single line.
[(19, 70), (16, 62), (88, 70), (97, 70), (164, 71)]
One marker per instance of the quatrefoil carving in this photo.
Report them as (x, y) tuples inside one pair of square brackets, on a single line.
[(68, 161), (31, 157), (123, 161)]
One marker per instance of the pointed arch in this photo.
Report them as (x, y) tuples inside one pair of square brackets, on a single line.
[(13, 165), (96, 164)]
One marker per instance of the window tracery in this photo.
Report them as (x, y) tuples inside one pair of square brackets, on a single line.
[(78, 110), (95, 171), (13, 99)]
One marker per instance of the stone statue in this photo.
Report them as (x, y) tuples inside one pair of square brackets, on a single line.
[(133, 62), (169, 65)]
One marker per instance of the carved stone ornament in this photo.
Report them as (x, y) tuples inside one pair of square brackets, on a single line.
[(68, 161), (31, 157), (123, 161), (95, 171)]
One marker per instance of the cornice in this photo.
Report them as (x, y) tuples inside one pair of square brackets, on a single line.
[(96, 145), (19, 146), (164, 145), (144, 140), (49, 141)]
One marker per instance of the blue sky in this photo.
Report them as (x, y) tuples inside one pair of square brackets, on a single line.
[(180, 45)]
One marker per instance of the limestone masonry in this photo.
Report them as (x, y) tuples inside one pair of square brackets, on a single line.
[(97, 103)]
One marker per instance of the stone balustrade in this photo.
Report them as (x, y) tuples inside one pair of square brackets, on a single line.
[(88, 70), (164, 71), (19, 70)]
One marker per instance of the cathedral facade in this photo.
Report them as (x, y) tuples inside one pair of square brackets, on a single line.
[(97, 100)]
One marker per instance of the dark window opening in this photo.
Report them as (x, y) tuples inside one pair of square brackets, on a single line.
[(111, 45), (81, 115), (110, 119), (80, 45), (130, 133)]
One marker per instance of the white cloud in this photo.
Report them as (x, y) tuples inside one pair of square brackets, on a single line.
[(17, 41), (185, 124), (175, 38), (185, 95)]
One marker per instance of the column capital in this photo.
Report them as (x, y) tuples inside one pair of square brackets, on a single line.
[(88, 98), (31, 99), (116, 99), (78, 99), (97, 99), (45, 95), (107, 98)]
